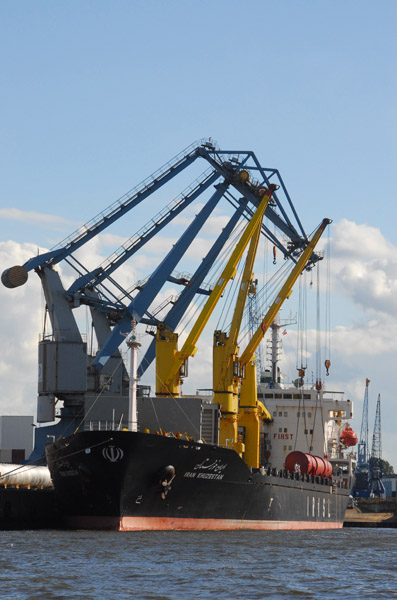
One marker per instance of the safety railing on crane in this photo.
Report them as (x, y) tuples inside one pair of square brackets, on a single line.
[(138, 285), (132, 194), (186, 278), (169, 300), (151, 329), (156, 220)]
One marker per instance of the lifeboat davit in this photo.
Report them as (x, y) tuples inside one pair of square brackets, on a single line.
[(348, 437), (308, 464)]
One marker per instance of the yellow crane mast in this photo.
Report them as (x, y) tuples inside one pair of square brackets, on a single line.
[(168, 359), (251, 411), (226, 374)]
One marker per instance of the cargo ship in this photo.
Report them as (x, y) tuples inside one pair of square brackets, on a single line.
[(127, 480), (248, 453), (139, 481)]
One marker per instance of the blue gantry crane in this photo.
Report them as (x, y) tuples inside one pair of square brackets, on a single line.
[(369, 463), (376, 487), (363, 448), (67, 371), (361, 487)]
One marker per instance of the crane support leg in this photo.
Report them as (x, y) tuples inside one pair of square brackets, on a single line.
[(225, 391), (166, 348), (225, 365), (251, 414)]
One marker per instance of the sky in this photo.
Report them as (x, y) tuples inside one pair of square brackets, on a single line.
[(97, 95)]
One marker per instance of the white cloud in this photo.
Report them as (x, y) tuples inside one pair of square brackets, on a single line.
[(365, 339), (364, 273), (29, 216), (361, 241), (20, 325), (364, 267)]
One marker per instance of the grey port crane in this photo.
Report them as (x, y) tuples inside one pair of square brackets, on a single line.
[(88, 385)]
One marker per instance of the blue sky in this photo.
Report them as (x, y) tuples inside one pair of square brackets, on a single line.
[(97, 95)]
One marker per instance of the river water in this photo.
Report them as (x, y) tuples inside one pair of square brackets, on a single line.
[(346, 563)]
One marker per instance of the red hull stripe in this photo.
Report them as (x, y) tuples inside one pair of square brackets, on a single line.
[(161, 523), (178, 524)]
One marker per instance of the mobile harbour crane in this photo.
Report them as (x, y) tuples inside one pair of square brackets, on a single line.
[(67, 372), (369, 469)]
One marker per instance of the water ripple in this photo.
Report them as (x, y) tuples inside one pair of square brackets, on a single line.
[(312, 565)]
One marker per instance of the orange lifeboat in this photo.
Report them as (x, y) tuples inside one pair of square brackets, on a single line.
[(348, 437), (308, 464)]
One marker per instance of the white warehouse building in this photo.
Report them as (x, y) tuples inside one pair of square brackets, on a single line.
[(16, 438)]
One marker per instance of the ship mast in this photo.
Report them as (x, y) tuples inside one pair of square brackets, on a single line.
[(133, 345), (275, 350)]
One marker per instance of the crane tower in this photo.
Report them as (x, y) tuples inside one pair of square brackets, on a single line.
[(361, 487), (376, 486), (88, 383)]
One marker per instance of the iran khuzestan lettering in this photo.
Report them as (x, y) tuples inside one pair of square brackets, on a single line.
[(207, 470)]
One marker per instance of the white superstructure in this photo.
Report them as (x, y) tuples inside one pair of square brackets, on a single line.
[(304, 418)]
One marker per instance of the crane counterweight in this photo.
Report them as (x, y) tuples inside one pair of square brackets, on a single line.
[(14, 277)]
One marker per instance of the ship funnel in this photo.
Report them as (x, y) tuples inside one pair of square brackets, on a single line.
[(14, 277)]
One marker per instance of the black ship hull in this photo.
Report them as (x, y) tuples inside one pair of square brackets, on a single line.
[(29, 509), (136, 481)]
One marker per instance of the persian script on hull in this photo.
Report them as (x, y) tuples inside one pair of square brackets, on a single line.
[(207, 470)]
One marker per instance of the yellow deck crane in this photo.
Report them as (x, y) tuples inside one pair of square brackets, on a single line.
[(226, 371), (252, 412), (168, 359)]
